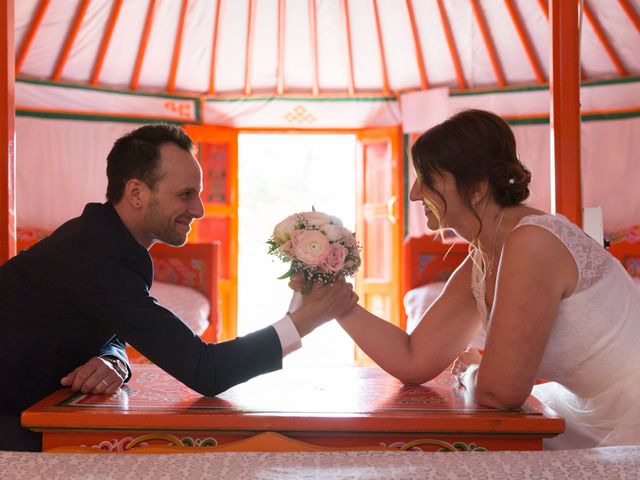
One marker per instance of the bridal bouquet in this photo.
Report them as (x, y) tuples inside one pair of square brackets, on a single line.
[(317, 245)]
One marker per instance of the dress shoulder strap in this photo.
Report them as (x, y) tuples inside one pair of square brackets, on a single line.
[(591, 259)]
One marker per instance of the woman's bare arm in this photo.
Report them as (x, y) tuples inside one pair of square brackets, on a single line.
[(443, 332), (536, 272)]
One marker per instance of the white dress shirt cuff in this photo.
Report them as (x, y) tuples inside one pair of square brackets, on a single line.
[(288, 334)]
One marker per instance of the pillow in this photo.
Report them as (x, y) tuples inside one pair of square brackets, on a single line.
[(191, 306), (418, 300)]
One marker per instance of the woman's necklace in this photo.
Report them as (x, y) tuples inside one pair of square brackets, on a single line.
[(495, 240)]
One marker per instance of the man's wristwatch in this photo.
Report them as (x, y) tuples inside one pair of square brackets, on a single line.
[(118, 365)]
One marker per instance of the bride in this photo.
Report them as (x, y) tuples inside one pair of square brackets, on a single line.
[(554, 304)]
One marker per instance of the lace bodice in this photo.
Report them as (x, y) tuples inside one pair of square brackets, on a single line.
[(596, 327), (591, 259)]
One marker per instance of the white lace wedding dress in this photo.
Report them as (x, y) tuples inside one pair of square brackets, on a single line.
[(593, 354)]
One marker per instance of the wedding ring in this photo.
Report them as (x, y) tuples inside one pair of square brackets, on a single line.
[(105, 382)]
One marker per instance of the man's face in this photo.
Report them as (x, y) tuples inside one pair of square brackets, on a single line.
[(174, 201)]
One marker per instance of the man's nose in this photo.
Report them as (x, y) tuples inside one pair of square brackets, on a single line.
[(197, 208)]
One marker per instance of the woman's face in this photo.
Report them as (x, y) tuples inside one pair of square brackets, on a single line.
[(434, 207)]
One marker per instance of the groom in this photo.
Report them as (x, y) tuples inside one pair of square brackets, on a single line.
[(76, 297)]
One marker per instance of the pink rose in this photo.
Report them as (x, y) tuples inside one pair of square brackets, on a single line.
[(315, 219), (310, 246), (349, 238), (283, 231), (287, 249), (335, 260)]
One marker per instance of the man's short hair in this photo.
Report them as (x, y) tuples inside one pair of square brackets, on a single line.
[(136, 154)]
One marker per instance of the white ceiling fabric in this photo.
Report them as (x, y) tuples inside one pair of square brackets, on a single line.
[(399, 48)]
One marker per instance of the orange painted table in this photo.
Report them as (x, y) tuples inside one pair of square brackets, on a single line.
[(335, 407)]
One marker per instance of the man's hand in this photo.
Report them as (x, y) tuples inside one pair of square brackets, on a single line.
[(321, 304), (96, 376)]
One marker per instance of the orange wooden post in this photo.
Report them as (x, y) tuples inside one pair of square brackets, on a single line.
[(564, 82), (7, 132)]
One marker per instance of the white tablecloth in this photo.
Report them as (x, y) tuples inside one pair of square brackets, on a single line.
[(599, 463)]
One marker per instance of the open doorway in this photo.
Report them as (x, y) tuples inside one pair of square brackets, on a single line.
[(280, 174)]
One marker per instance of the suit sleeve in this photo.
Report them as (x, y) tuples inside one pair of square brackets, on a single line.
[(117, 298)]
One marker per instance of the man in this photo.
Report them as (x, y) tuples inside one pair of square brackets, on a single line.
[(76, 297)]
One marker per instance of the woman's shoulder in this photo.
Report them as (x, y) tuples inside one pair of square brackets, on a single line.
[(460, 280), (560, 226)]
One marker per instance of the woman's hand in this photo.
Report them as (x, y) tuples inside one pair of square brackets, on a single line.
[(321, 304), (471, 356), (96, 376)]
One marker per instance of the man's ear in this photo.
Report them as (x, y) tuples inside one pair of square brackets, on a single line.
[(136, 193)]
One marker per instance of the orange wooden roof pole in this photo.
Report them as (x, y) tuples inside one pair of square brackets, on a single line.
[(106, 40), (313, 33), (280, 67), (31, 34), (545, 9), (71, 37), (488, 41), (633, 16), (564, 86), (347, 25), (383, 59), (248, 56), (424, 84), (177, 48), (462, 84), (526, 42), (135, 77), (7, 132), (214, 51), (597, 28)]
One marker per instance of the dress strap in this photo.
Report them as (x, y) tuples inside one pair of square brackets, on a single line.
[(591, 259)]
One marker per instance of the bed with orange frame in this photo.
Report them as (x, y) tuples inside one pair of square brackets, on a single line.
[(430, 262)]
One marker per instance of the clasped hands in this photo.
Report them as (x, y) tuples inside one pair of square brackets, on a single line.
[(97, 376), (322, 303)]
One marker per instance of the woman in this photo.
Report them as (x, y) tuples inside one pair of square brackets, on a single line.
[(554, 303)]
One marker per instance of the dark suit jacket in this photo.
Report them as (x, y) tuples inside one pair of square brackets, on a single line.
[(65, 298)]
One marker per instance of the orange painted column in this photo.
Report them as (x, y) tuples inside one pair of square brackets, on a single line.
[(7, 132), (566, 180)]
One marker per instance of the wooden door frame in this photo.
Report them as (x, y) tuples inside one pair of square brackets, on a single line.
[(228, 330)]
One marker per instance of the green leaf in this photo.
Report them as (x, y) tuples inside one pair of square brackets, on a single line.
[(288, 274), (308, 285)]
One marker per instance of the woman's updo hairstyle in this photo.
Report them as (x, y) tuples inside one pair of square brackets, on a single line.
[(472, 146)]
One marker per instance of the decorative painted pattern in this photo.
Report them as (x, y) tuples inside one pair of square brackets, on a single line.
[(299, 114), (414, 445)]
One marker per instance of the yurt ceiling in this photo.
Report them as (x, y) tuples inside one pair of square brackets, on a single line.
[(216, 48), (87, 70)]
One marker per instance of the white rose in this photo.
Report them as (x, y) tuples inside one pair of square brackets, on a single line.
[(316, 219), (283, 231), (332, 232), (335, 220)]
